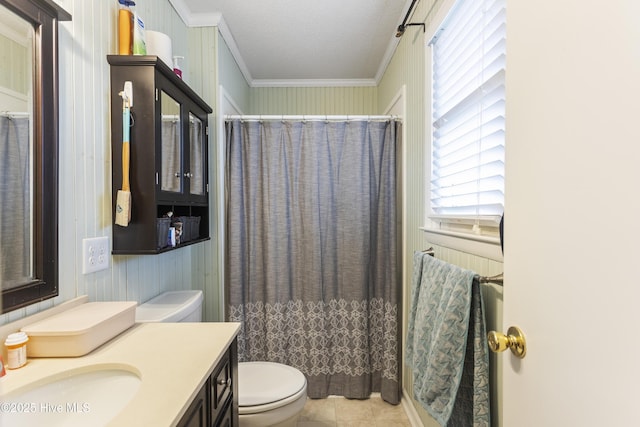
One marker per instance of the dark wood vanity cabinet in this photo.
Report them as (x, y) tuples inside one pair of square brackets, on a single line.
[(216, 404), (224, 390), (196, 415), (168, 156)]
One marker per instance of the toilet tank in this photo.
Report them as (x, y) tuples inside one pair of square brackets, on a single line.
[(173, 306)]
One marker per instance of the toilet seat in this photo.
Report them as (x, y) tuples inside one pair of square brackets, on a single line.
[(264, 386)]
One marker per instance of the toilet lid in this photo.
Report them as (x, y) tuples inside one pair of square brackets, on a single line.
[(261, 383)]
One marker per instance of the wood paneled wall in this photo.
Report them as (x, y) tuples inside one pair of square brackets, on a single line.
[(314, 100), (408, 67), (85, 161)]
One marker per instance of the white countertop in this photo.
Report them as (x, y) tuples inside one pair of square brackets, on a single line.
[(173, 361)]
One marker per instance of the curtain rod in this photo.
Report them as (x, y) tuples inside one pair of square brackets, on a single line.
[(14, 114), (402, 27), (310, 117)]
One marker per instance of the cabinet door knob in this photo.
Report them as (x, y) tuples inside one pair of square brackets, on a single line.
[(225, 382), (188, 175), (177, 174)]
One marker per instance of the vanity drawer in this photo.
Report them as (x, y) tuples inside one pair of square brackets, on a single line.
[(221, 385)]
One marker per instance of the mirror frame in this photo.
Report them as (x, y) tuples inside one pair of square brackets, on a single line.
[(44, 15)]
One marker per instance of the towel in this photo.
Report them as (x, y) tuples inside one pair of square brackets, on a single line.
[(447, 344)]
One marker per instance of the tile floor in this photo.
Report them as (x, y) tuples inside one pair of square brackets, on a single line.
[(341, 412)]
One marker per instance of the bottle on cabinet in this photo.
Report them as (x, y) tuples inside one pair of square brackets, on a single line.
[(125, 27), (176, 65)]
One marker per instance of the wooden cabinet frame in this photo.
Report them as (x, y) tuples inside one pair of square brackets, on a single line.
[(150, 77)]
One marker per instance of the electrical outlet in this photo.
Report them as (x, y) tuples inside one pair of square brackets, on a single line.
[(95, 254)]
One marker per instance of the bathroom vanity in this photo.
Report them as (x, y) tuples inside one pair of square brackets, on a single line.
[(187, 374), (216, 404)]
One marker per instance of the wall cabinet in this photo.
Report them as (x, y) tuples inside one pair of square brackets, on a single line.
[(216, 404), (168, 155)]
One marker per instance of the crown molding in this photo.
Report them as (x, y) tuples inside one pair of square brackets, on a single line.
[(392, 46), (225, 32), (217, 20), (195, 19), (181, 9), (386, 59), (313, 82), (213, 20)]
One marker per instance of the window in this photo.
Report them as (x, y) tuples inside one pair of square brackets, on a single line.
[(467, 116)]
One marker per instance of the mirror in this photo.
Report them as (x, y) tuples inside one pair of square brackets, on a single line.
[(196, 159), (171, 178), (16, 136), (29, 151)]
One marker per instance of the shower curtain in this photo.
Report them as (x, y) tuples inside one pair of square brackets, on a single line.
[(311, 262), (15, 198)]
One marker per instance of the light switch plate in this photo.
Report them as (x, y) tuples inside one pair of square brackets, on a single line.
[(95, 254)]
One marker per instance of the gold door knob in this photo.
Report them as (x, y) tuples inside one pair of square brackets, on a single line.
[(514, 340)]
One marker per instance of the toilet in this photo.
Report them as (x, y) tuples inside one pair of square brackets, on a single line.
[(174, 306), (269, 394)]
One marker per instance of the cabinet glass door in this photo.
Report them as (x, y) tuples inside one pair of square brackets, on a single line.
[(171, 155), (196, 156)]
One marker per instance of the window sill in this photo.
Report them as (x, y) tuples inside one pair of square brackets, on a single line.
[(480, 245)]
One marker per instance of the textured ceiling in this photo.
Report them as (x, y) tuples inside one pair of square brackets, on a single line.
[(322, 42)]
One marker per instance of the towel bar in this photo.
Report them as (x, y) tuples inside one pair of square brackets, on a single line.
[(496, 280)]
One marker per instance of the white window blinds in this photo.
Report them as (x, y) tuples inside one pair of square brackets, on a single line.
[(468, 111)]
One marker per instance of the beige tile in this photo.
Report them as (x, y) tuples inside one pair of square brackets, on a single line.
[(389, 423), (316, 424), (355, 423), (353, 410), (319, 410), (386, 411), (341, 412)]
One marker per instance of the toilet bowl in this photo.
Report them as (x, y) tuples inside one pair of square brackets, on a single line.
[(269, 394)]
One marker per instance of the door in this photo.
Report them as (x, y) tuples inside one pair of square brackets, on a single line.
[(171, 142), (572, 213), (183, 147)]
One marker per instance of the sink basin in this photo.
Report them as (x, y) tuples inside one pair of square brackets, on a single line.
[(88, 396)]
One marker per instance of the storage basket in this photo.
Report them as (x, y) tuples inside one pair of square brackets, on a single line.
[(194, 227), (162, 232)]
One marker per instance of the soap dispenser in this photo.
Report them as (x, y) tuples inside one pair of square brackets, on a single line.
[(176, 65)]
